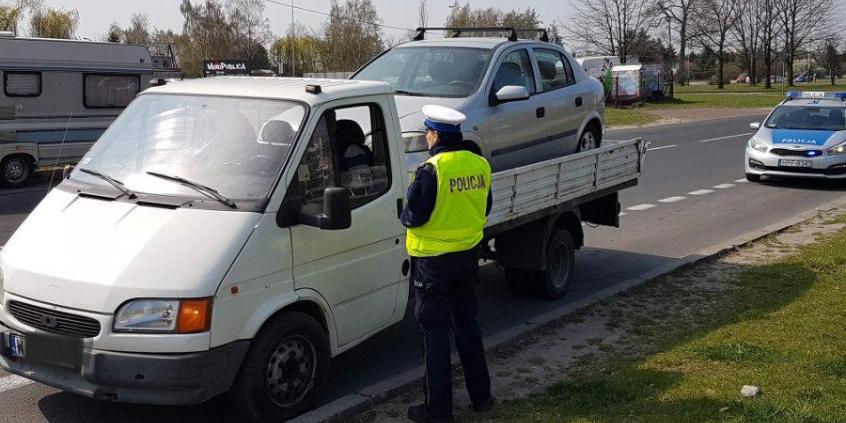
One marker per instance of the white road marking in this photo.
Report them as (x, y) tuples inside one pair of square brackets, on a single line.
[(641, 207), (741, 181), (661, 147), (701, 192), (727, 137), (8, 383), (672, 199), (724, 186)]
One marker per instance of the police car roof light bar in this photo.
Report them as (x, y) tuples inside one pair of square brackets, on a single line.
[(794, 95), (456, 31)]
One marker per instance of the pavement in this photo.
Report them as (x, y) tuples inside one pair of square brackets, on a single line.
[(691, 198)]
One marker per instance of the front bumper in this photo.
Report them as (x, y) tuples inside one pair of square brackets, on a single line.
[(766, 164), (165, 379)]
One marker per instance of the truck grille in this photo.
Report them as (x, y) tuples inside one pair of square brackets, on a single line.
[(54, 321)]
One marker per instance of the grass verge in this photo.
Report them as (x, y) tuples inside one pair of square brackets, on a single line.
[(628, 116), (777, 325)]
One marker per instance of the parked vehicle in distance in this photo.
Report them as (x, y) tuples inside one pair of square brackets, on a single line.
[(803, 137), (219, 243), (525, 100), (59, 96)]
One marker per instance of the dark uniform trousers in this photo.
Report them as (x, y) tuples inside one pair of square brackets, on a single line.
[(445, 297)]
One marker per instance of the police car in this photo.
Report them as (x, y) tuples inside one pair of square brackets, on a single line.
[(804, 136)]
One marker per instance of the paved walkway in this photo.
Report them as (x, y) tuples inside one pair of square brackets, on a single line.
[(683, 115)]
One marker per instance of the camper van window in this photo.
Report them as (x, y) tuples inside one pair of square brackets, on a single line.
[(22, 84), (109, 91)]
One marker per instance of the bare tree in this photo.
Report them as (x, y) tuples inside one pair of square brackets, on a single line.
[(768, 33), (250, 25), (831, 59), (423, 14), (746, 35), (679, 12), (352, 36), (802, 22), (138, 32), (609, 25), (713, 21)]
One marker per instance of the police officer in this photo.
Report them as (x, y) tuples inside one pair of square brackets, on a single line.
[(448, 202)]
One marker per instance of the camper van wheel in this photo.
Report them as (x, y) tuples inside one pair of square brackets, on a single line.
[(550, 283), (15, 171), (284, 370)]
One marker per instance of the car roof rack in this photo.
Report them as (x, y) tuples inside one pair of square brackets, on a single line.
[(420, 32)]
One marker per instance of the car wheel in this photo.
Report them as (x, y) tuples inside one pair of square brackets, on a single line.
[(551, 283), (588, 141), (751, 177), (15, 171), (285, 369)]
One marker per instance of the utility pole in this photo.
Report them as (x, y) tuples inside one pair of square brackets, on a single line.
[(293, 43)]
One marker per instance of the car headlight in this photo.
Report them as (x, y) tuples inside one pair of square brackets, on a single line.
[(837, 149), (164, 316), (758, 145)]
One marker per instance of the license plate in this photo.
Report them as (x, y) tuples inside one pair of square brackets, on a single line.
[(16, 346), (795, 163)]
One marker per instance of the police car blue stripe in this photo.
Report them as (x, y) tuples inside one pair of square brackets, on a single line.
[(801, 137)]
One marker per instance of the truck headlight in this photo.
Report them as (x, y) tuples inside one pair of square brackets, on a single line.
[(164, 316), (758, 145), (837, 149)]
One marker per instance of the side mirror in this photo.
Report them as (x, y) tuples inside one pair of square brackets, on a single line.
[(755, 125), (337, 211), (510, 93), (66, 171)]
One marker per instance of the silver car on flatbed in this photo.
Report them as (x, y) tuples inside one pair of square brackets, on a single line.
[(803, 137), (525, 100)]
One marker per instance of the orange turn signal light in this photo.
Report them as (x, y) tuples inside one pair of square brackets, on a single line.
[(194, 315)]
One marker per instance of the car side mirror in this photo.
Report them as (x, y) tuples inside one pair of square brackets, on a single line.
[(755, 125), (511, 93), (337, 211)]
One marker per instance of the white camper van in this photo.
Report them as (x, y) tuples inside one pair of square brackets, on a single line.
[(58, 96)]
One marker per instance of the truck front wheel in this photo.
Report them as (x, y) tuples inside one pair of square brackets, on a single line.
[(15, 171), (550, 283), (284, 370)]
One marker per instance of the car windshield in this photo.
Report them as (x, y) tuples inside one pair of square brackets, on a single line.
[(429, 71), (236, 146), (815, 118)]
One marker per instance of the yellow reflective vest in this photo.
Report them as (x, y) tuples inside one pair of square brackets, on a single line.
[(458, 221)]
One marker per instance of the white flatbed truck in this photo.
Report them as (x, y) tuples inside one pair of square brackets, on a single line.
[(214, 243)]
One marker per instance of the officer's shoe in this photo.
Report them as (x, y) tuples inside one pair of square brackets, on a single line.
[(419, 414), (485, 406)]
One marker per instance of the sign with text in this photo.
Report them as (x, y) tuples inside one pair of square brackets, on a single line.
[(225, 67)]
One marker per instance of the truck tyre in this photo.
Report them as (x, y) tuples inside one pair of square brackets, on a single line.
[(16, 171), (589, 139), (284, 370), (751, 177), (550, 283)]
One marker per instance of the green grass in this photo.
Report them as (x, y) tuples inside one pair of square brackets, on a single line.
[(779, 326), (628, 116), (840, 85)]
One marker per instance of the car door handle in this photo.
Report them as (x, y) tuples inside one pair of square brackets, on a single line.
[(578, 101), (540, 112)]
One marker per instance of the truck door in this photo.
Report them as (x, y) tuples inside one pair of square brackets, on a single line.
[(512, 130), (566, 107), (357, 270)]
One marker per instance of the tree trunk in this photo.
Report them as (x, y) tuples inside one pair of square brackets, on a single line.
[(720, 69), (768, 65), (789, 65), (682, 51), (753, 71)]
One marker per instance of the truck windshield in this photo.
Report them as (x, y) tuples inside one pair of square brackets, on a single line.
[(429, 71), (819, 118), (236, 146)]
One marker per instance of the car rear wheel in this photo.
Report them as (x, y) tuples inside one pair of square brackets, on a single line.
[(751, 177), (589, 140), (552, 282), (15, 171), (285, 369)]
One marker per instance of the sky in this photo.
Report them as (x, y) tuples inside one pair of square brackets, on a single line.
[(96, 15)]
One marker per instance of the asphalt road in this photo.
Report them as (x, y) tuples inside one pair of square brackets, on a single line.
[(692, 196)]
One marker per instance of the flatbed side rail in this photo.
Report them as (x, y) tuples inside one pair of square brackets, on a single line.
[(544, 185)]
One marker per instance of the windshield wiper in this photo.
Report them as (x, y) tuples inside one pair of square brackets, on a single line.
[(411, 93), (196, 187), (112, 181)]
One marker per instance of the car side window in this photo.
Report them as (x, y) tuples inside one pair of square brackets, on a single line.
[(515, 69), (555, 69), (348, 148)]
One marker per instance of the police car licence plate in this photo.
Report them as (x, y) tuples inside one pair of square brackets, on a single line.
[(795, 163)]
